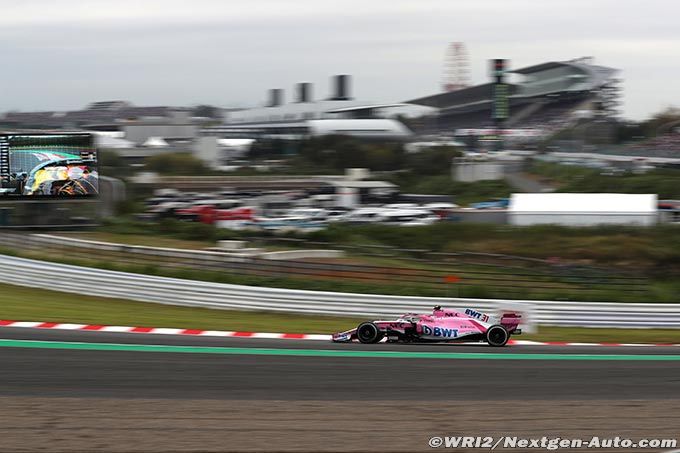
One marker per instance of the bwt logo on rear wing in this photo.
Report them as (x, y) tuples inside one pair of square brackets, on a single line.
[(477, 315)]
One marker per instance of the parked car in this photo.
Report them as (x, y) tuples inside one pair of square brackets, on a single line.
[(499, 203), (409, 217)]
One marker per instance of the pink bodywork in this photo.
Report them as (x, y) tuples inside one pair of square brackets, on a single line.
[(441, 325)]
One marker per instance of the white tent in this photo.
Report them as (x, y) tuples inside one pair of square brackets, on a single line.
[(112, 134), (110, 142), (582, 209), (235, 142), (155, 142)]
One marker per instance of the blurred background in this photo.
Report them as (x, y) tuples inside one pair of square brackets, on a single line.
[(498, 154)]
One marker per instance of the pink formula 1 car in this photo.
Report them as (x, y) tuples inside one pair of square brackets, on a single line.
[(441, 326)]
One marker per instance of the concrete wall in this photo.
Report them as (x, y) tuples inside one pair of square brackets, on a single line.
[(207, 149), (477, 171), (111, 192), (347, 197), (302, 254), (669, 216), (139, 133), (582, 219), (496, 216)]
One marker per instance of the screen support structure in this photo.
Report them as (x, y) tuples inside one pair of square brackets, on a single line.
[(4, 160), (501, 108)]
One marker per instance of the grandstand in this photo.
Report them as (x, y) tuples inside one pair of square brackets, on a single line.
[(664, 145), (548, 97)]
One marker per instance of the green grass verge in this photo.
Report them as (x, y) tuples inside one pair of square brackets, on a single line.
[(31, 304), (651, 251), (463, 193), (319, 283), (572, 178), (604, 335), (473, 287)]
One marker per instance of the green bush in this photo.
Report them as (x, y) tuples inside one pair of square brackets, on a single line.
[(652, 250), (442, 184), (176, 164), (664, 182)]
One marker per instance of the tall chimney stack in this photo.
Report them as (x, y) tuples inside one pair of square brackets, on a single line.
[(275, 97), (341, 84), (304, 92)]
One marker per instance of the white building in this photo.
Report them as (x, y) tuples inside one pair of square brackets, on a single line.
[(178, 126), (363, 128), (466, 170), (583, 209), (305, 116)]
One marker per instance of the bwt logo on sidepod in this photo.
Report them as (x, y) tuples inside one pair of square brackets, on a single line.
[(440, 332)]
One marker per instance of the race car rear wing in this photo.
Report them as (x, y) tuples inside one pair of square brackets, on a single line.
[(511, 321)]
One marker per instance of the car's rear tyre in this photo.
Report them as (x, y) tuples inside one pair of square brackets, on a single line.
[(497, 335), (368, 332)]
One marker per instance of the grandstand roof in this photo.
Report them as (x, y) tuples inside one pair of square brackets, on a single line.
[(365, 107), (538, 67), (473, 94), (596, 74), (556, 64)]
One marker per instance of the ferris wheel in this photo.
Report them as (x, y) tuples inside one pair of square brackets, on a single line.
[(456, 67)]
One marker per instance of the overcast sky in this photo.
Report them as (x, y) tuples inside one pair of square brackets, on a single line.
[(63, 54)]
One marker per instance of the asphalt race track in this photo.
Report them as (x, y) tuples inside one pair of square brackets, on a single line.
[(77, 391), (490, 373)]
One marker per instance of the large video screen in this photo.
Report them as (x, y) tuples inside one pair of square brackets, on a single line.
[(48, 165)]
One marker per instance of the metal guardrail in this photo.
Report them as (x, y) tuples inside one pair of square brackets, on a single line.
[(478, 279), (164, 290)]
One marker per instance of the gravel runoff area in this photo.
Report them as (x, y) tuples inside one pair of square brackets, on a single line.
[(74, 425)]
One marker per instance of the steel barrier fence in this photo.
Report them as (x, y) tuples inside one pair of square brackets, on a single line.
[(164, 290)]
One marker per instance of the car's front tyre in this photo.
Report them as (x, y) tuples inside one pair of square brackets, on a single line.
[(368, 333), (497, 335)]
